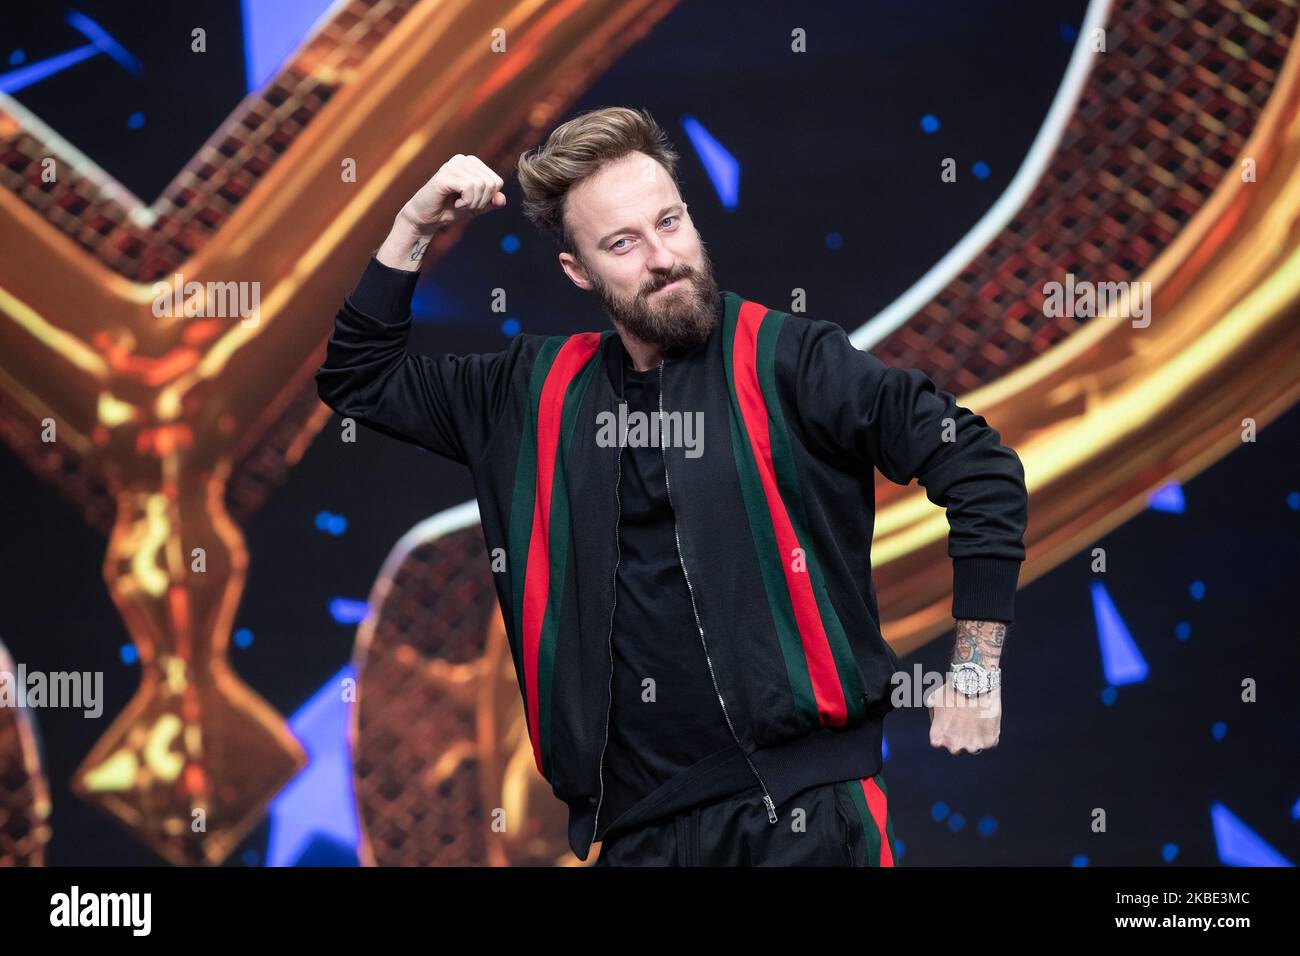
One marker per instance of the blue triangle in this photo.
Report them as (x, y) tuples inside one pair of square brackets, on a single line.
[(1168, 498), (1121, 660), (273, 31), (722, 167), (1238, 844)]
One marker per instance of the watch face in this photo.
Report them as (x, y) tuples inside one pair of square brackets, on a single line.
[(966, 681)]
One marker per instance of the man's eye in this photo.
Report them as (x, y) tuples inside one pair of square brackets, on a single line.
[(615, 245), (666, 218)]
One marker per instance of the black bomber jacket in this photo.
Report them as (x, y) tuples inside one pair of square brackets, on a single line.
[(773, 499)]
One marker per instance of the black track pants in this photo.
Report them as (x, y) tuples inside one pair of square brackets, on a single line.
[(846, 823)]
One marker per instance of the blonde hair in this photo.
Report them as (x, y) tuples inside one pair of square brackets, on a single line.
[(578, 148)]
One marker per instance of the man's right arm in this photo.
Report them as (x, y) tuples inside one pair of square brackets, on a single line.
[(445, 403)]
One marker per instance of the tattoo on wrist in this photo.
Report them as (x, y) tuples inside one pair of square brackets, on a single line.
[(979, 642), (417, 250)]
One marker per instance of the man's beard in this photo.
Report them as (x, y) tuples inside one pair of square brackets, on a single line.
[(678, 320)]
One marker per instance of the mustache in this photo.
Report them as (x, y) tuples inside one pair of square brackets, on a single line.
[(671, 279)]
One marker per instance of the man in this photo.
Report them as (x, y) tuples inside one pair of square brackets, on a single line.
[(685, 506)]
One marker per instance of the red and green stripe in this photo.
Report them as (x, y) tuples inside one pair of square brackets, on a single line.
[(870, 797), (819, 663), (540, 531)]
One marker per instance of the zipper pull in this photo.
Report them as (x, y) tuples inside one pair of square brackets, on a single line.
[(771, 809)]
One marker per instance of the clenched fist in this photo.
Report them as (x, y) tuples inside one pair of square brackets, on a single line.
[(463, 183), (463, 188)]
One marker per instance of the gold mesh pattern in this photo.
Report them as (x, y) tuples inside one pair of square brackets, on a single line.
[(201, 197), (224, 170), (417, 810), (1161, 120)]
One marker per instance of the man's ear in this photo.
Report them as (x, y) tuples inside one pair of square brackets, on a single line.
[(575, 270)]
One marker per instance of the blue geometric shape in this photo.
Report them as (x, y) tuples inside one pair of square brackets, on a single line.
[(1109, 694), (1197, 590), (273, 29), (129, 653), (987, 826), (323, 850), (319, 803), (1238, 844), (930, 123), (1079, 860), (1169, 852), (722, 167), (981, 170), (938, 810), (243, 637), (834, 240), (101, 40), (898, 847), (1183, 630), (1293, 501), (1295, 810), (135, 120), (884, 747), (1169, 498), (348, 611), (956, 822), (1069, 33), (23, 77), (1219, 730), (510, 327), (1121, 660), (510, 243)]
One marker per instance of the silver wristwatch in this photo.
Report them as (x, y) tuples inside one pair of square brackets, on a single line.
[(971, 679)]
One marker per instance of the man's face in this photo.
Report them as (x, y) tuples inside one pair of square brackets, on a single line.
[(639, 252)]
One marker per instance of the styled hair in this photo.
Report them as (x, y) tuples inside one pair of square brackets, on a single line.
[(578, 148)]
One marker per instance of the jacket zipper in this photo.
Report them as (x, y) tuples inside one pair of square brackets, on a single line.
[(618, 556), (767, 799)]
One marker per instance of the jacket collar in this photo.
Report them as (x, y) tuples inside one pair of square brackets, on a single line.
[(616, 355)]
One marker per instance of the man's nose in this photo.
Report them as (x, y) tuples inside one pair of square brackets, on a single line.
[(660, 259)]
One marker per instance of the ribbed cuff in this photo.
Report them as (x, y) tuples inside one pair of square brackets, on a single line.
[(984, 589), (384, 292)]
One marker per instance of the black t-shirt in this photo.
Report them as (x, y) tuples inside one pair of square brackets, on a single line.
[(671, 750)]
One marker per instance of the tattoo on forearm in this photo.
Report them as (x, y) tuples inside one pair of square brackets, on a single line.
[(417, 251), (979, 642)]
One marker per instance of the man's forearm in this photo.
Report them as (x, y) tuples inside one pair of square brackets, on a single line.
[(979, 642), (405, 245)]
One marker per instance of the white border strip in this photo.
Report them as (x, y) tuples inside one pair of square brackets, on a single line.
[(109, 188), (1013, 197), (435, 526)]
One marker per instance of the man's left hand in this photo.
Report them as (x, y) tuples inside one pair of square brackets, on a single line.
[(964, 724), (969, 724)]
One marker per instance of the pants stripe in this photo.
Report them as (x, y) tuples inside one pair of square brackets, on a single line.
[(870, 797), (878, 804)]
